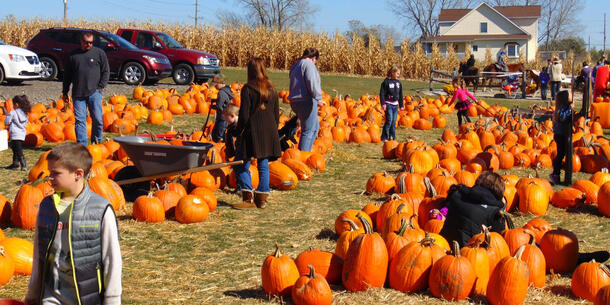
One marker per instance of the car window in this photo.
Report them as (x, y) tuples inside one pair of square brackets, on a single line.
[(169, 42), (145, 40), (100, 41), (127, 35), (69, 37), (116, 39)]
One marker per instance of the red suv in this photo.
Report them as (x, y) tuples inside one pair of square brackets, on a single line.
[(189, 65), (126, 61)]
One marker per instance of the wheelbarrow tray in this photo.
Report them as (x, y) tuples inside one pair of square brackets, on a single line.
[(153, 159)]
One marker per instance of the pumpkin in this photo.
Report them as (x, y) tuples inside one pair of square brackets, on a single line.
[(388, 209), (279, 274), (366, 263), (169, 200), (534, 258), (389, 149), (589, 278), (407, 233), (316, 162), (380, 183), (341, 225), (5, 212), (302, 171), (281, 176), (494, 240), (514, 237), (327, 264), (177, 187), (560, 249), (589, 188), (311, 289), (147, 208), (191, 209), (479, 259), (25, 207), (603, 296), (207, 196), (108, 189), (346, 238), (533, 198), (40, 169), (410, 181), (603, 199), (203, 179), (21, 252), (568, 198), (538, 226), (394, 222), (410, 269), (452, 276), (509, 281), (7, 267)]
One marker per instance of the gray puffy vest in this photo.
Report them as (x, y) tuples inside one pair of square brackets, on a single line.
[(87, 213)]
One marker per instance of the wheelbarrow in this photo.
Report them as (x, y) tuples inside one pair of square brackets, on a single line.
[(153, 161)]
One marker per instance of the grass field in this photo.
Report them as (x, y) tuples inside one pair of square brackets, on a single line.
[(218, 261)]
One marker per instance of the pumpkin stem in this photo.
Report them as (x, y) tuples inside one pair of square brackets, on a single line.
[(428, 240), (367, 226), (532, 241), (602, 266), (403, 226), (519, 252), (430, 187), (352, 224), (509, 221), (399, 208), (2, 253), (277, 252), (312, 271), (456, 249)]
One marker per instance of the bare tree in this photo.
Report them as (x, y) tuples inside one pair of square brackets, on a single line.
[(275, 14), (423, 14)]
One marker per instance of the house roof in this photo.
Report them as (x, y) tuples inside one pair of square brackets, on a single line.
[(459, 38), (511, 12)]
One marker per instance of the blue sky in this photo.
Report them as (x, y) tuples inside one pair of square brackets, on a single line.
[(332, 15)]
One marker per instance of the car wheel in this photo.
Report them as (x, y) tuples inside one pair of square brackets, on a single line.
[(49, 69), (1, 74), (183, 74), (133, 73)]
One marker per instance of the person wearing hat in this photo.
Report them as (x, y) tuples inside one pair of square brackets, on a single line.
[(470, 63), (501, 62), (225, 95), (556, 73)]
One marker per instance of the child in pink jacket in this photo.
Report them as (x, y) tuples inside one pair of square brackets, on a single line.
[(463, 103)]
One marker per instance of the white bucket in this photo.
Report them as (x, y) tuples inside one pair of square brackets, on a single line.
[(3, 139)]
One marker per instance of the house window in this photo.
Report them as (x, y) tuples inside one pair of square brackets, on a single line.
[(512, 49), (475, 48), (483, 27)]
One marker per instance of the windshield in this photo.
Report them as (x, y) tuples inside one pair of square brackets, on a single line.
[(122, 42), (2, 42), (169, 42)]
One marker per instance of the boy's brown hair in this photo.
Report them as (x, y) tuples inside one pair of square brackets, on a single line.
[(231, 109), (72, 156), (493, 182)]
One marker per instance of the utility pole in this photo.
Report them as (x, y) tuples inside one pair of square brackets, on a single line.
[(196, 11), (604, 33), (65, 12), (589, 44)]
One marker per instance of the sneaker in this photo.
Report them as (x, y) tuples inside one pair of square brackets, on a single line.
[(554, 179)]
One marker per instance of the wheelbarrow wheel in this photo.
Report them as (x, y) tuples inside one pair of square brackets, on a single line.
[(133, 190)]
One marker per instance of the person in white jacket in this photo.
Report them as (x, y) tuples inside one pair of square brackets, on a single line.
[(16, 120)]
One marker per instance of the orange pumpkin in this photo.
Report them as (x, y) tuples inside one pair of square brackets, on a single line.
[(191, 209), (21, 252), (279, 274)]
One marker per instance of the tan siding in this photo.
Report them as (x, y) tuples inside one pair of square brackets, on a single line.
[(496, 24)]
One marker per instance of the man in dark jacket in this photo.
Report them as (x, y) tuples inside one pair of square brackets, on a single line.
[(88, 72), (225, 95), (471, 207)]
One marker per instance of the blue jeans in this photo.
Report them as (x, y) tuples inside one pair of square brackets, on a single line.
[(244, 181), (218, 132), (543, 90), (389, 128), (94, 102), (555, 87), (307, 112)]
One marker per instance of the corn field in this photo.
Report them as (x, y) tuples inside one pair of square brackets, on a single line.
[(280, 49)]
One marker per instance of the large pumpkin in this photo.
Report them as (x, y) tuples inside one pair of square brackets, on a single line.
[(410, 269), (311, 288), (327, 264), (191, 209), (509, 281), (479, 259), (568, 198), (452, 276), (534, 258), (279, 274), (560, 249), (366, 263), (281, 177), (21, 251), (533, 198), (25, 207), (588, 278)]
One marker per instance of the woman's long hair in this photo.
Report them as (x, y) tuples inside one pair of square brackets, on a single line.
[(258, 78), (23, 102)]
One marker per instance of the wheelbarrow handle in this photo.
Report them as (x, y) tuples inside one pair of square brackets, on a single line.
[(180, 172)]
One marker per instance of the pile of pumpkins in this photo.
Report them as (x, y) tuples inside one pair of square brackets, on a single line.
[(501, 144), (384, 246)]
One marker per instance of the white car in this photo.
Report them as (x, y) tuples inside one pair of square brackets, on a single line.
[(18, 64)]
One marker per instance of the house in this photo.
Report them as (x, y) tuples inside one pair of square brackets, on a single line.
[(512, 28)]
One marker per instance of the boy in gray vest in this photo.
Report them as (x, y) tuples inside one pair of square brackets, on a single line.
[(77, 259)]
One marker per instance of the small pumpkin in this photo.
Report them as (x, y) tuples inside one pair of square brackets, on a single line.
[(148, 208), (311, 289), (279, 274), (589, 278), (452, 276), (191, 209)]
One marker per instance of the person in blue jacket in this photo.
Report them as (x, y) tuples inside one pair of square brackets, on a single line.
[(390, 96)]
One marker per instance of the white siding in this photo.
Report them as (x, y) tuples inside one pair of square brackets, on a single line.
[(530, 25), (443, 27)]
